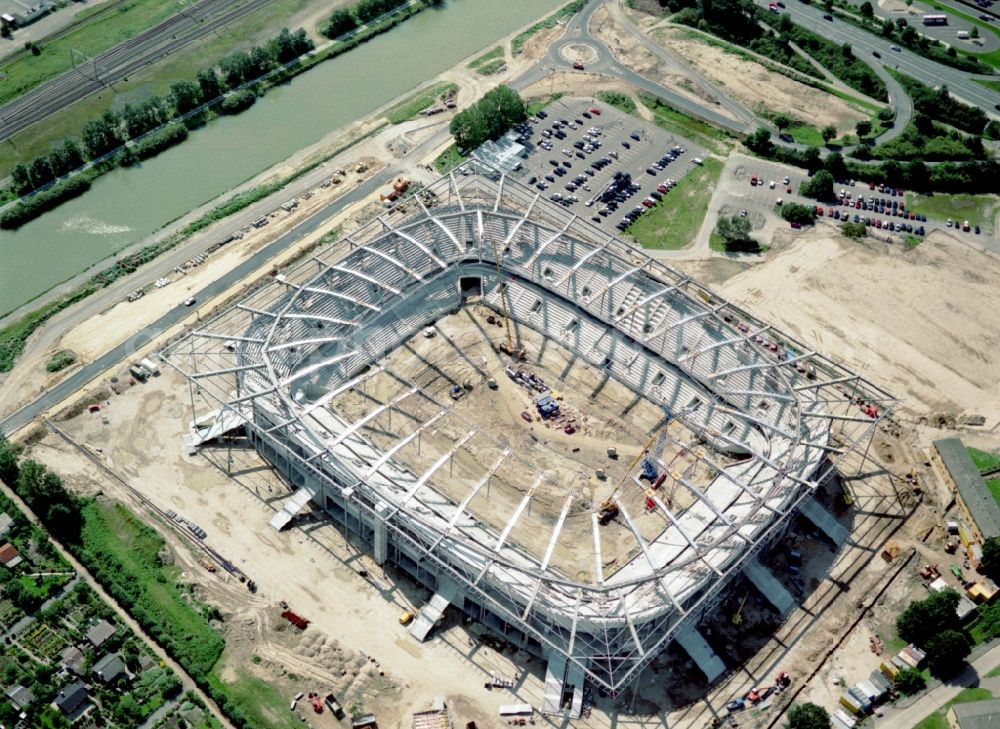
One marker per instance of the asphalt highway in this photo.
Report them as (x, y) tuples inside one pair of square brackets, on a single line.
[(118, 62)]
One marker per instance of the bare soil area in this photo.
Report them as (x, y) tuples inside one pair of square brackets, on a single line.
[(751, 84), (923, 322)]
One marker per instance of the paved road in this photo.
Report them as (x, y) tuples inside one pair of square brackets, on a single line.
[(960, 84), (109, 359)]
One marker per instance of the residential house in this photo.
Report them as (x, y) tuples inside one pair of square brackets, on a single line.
[(99, 633)]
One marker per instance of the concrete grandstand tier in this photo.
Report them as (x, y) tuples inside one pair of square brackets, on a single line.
[(310, 362)]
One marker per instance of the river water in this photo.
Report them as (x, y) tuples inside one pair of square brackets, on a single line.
[(127, 205)]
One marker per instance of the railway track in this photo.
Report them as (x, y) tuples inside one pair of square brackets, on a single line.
[(117, 63), (62, 32)]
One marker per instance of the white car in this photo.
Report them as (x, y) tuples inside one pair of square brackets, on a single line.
[(189, 302), (771, 185)]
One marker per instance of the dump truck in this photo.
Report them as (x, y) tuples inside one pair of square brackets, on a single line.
[(334, 706), (297, 620)]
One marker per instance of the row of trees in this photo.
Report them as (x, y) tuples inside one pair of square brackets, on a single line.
[(107, 133), (940, 105), (488, 118), (978, 176), (923, 139), (344, 20)]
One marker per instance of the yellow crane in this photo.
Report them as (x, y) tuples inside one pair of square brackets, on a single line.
[(508, 346)]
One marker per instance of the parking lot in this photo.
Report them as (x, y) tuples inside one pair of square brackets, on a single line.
[(758, 189), (600, 163)]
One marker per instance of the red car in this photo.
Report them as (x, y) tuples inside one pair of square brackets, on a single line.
[(595, 110), (648, 203), (661, 189), (819, 211)]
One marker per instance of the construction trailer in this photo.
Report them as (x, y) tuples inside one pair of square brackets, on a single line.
[(774, 419)]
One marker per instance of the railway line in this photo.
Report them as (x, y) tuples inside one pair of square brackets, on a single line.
[(127, 57)]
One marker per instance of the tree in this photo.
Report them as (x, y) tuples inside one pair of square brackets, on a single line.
[(8, 461), (909, 681), (185, 95), (867, 10), (829, 132), (287, 46), (835, 165), (100, 136), (924, 618), (863, 128), (819, 187), (21, 178), (735, 233), (946, 652), (782, 121), (491, 116), (760, 142), (66, 157), (974, 33), (209, 84), (808, 716), (990, 562), (795, 213), (41, 171), (340, 23), (854, 230), (260, 62), (235, 68)]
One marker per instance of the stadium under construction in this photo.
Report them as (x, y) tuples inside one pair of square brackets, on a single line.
[(419, 382)]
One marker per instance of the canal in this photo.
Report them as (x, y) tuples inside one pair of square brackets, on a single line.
[(127, 205)]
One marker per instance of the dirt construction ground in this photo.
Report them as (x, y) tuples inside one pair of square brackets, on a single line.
[(921, 322), (751, 84)]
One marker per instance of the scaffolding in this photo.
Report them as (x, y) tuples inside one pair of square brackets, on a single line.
[(783, 416)]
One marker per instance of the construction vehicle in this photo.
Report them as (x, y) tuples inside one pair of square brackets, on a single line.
[(316, 701), (607, 512), (406, 618), (297, 620), (930, 572), (737, 618), (507, 347)]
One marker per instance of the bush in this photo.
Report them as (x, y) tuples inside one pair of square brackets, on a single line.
[(237, 101), (341, 22), (854, 230), (161, 140), (808, 716), (41, 202), (819, 186), (620, 101), (60, 361)]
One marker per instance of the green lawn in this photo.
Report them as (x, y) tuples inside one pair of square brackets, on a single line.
[(984, 461), (29, 70), (411, 107), (674, 222), (489, 62), (622, 102), (676, 122), (993, 485), (994, 672), (806, 134), (977, 209), (937, 720)]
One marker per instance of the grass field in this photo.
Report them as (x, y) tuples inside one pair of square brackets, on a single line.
[(537, 104), (255, 28), (674, 222), (806, 134), (988, 83), (984, 461), (937, 720), (93, 38), (696, 130), (977, 209), (490, 62), (411, 107), (259, 701), (449, 160)]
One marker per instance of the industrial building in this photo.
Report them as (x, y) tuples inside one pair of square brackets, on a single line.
[(978, 507), (597, 575)]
